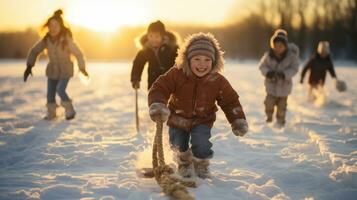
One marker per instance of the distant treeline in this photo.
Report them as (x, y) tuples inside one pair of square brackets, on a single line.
[(307, 22)]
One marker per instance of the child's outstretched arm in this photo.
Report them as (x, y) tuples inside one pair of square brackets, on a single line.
[(307, 66), (159, 94), (331, 69), (76, 51), (138, 67), (32, 57), (228, 100), (263, 65)]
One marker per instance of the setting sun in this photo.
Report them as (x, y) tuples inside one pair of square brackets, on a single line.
[(105, 17)]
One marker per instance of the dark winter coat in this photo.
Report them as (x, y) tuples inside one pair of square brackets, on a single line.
[(160, 60), (318, 67)]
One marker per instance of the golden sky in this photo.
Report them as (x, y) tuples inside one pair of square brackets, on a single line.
[(110, 15)]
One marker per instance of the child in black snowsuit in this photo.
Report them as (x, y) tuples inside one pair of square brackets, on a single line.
[(159, 49), (318, 65)]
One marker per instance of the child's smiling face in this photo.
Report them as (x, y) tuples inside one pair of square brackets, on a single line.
[(201, 65), (155, 39)]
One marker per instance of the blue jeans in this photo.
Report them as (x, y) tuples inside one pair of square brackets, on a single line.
[(58, 86), (200, 144)]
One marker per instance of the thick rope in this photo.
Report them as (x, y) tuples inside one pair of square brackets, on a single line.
[(171, 186)]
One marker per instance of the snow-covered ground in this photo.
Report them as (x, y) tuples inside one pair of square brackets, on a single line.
[(95, 155)]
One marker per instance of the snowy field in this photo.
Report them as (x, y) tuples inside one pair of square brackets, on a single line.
[(95, 155)]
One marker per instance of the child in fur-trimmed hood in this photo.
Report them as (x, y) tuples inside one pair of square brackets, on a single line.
[(159, 49), (278, 66), (186, 96)]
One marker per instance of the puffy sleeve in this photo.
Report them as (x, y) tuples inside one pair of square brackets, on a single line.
[(34, 52), (228, 100), (76, 51), (307, 66), (331, 68), (263, 64), (138, 66), (163, 87)]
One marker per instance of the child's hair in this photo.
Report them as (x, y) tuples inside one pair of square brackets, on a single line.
[(157, 26), (65, 31)]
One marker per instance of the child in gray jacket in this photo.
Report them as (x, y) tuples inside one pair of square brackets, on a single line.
[(278, 66)]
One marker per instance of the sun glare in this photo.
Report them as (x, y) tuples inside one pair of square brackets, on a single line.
[(105, 15)]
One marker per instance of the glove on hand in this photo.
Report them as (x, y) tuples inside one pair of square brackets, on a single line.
[(135, 84), (159, 112), (240, 127), (27, 73)]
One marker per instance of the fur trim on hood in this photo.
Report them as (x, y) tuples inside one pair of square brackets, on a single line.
[(182, 61), (170, 38), (295, 49)]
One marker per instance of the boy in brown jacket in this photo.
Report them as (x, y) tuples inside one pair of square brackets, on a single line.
[(186, 96)]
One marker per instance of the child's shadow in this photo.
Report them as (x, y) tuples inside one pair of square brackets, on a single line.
[(331, 104), (236, 183), (24, 147)]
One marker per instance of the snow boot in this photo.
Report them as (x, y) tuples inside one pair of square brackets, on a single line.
[(281, 123), (69, 110), (184, 163), (269, 119), (201, 167), (51, 111)]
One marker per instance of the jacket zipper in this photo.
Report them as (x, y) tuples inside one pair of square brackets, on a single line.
[(156, 52)]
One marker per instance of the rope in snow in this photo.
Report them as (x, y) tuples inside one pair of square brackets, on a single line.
[(171, 186)]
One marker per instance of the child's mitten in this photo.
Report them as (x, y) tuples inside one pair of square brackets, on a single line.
[(27, 73), (159, 112), (240, 127), (271, 74), (135, 84)]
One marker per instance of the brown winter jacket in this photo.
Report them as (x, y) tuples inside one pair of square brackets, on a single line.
[(160, 60), (60, 65), (192, 99)]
